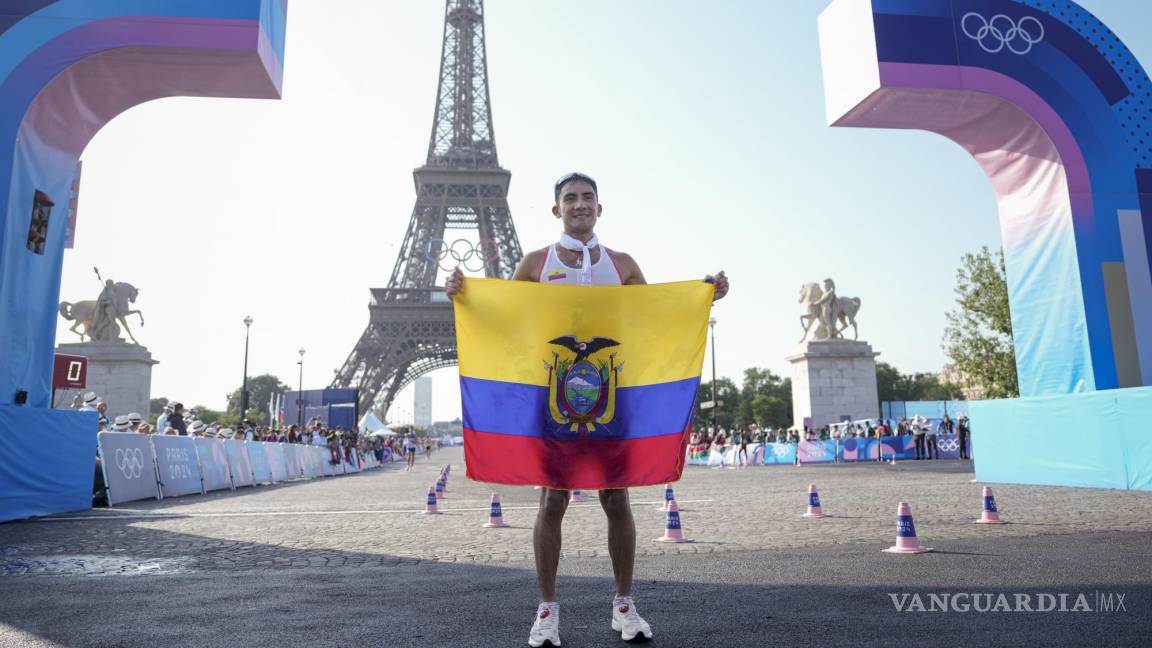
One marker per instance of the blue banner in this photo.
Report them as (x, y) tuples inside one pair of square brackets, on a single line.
[(177, 465)]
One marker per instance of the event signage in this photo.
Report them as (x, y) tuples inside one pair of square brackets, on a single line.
[(213, 464), (816, 451), (129, 466), (258, 459), (69, 372), (238, 464), (178, 466)]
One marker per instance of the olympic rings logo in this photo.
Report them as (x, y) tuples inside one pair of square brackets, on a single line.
[(130, 461), (781, 450), (948, 445), (993, 35), (461, 251)]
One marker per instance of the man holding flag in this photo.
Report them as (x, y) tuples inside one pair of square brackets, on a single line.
[(575, 431)]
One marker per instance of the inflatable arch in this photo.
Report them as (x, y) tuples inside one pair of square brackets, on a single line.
[(67, 67), (1056, 111)]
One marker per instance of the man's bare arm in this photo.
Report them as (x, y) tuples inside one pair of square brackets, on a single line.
[(529, 267), (630, 274)]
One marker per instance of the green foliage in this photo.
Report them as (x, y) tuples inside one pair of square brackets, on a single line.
[(978, 338), (765, 399), (891, 385), (260, 390), (156, 407)]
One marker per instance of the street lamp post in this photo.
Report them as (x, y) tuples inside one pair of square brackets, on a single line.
[(244, 385), (715, 404), (300, 394)]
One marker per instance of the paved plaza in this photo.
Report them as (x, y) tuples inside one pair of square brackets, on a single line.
[(351, 562)]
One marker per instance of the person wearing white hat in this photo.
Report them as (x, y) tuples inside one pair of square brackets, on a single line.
[(122, 424), (89, 404), (134, 419), (162, 420), (211, 431), (227, 433), (197, 428)]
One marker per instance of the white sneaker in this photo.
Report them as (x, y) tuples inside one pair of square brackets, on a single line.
[(546, 628), (627, 621)]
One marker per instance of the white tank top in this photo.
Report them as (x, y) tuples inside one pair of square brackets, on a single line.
[(604, 271)]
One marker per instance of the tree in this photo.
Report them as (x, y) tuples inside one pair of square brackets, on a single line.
[(978, 338), (892, 386), (765, 400), (728, 395), (260, 390)]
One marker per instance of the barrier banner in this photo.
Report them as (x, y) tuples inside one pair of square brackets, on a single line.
[(903, 447), (853, 449), (696, 455), (386, 456), (213, 464), (330, 469), (351, 463), (948, 446), (276, 461), (258, 459), (307, 460), (291, 461), (129, 466), (779, 453), (178, 465), (238, 464), (816, 451)]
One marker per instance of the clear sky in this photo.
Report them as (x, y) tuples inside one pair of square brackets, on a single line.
[(702, 122)]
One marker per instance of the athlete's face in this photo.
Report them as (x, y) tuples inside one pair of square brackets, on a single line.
[(577, 208)]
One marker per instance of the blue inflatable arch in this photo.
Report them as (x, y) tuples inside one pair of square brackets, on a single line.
[(1057, 112)]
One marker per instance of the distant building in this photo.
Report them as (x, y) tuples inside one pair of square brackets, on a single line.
[(950, 374), (422, 411), (452, 428)]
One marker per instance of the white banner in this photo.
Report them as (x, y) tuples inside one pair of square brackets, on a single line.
[(291, 461), (258, 459), (178, 465), (351, 463), (276, 461), (213, 464), (330, 469), (238, 463), (129, 466)]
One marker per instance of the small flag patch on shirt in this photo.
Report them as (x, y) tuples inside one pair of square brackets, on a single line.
[(555, 275)]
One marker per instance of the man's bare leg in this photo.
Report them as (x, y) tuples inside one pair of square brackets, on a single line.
[(546, 540), (621, 537)]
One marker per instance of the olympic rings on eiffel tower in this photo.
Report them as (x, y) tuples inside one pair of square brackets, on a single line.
[(461, 252)]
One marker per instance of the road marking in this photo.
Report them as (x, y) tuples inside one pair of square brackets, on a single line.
[(176, 516)]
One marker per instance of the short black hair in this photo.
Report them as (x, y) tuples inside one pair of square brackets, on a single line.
[(575, 175)]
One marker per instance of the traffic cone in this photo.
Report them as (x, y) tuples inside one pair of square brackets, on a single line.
[(440, 489), (906, 540), (989, 515), (814, 503), (577, 497), (672, 530), (668, 497), (496, 516), (430, 506)]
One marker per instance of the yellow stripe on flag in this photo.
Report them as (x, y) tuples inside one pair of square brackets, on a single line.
[(503, 328)]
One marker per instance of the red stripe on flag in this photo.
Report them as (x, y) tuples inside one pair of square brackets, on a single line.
[(589, 465)]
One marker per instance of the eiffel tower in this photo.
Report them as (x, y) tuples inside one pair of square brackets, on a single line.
[(411, 328)]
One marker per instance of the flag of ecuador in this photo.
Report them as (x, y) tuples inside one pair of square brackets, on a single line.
[(579, 387)]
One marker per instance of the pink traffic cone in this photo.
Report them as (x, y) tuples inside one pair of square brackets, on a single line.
[(989, 515), (577, 497), (668, 497), (495, 516), (672, 530), (906, 540), (814, 503), (430, 506)]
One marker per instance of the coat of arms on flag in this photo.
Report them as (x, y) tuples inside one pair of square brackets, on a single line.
[(547, 399)]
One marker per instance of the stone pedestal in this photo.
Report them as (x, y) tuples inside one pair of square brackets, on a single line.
[(832, 379), (119, 373)]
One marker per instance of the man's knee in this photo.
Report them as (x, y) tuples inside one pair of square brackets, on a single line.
[(553, 504), (615, 503)]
